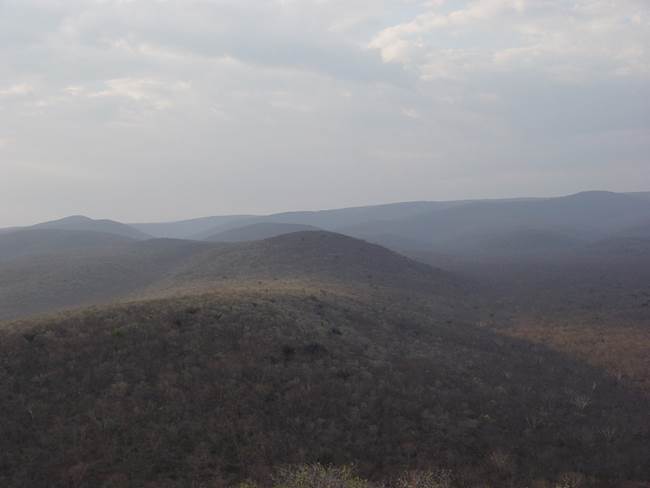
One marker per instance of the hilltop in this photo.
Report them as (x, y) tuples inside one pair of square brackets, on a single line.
[(319, 255), (82, 223), (259, 231), (188, 229), (222, 387), (163, 267), (33, 242)]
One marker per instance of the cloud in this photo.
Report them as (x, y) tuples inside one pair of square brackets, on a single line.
[(17, 90), (411, 113), (562, 40), (297, 35), (152, 109), (153, 93)]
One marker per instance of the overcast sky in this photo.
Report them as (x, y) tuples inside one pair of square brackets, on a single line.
[(145, 110)]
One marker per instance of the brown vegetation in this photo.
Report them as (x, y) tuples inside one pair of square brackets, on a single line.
[(319, 348), (216, 389), (623, 351)]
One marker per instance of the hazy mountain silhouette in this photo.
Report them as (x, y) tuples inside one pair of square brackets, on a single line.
[(256, 232), (582, 217), (641, 194), (639, 231), (333, 219), (48, 241), (398, 220), (80, 222), (631, 242), (185, 229), (387, 219)]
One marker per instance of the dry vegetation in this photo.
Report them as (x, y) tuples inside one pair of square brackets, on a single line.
[(217, 389), (623, 351), (320, 476), (591, 308), (165, 267), (251, 363)]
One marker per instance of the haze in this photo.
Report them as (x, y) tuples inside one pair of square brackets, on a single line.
[(324, 243), (161, 110)]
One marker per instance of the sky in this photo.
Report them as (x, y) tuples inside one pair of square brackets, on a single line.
[(152, 110)]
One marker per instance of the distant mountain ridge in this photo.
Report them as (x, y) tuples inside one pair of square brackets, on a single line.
[(186, 229), (337, 220), (525, 226), (80, 222), (441, 226), (259, 231), (586, 216)]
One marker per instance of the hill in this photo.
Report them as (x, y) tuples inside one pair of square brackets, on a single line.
[(31, 242), (642, 230), (40, 284), (442, 224), (256, 232), (335, 218), (81, 223), (515, 242), (163, 267), (214, 389), (622, 246), (642, 194), (591, 301), (396, 220), (320, 256), (585, 216), (186, 229)]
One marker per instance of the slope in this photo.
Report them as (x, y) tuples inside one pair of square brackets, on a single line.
[(336, 218), (48, 241), (315, 255), (167, 267), (214, 389), (186, 229), (259, 231), (79, 222), (584, 216), (40, 284), (591, 300)]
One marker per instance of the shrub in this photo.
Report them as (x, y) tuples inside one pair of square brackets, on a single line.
[(425, 479), (319, 476)]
